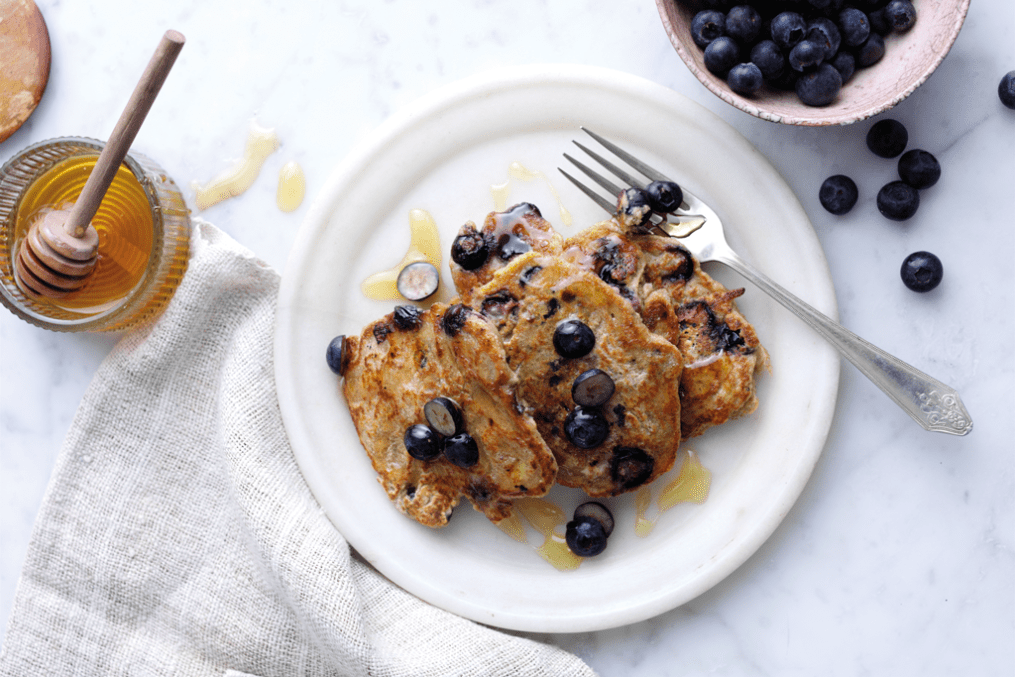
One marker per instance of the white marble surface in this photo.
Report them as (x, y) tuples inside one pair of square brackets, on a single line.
[(899, 557)]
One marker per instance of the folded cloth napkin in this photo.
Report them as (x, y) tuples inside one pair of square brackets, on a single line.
[(177, 536)]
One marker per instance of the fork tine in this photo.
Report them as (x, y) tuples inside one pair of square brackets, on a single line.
[(610, 187), (652, 174), (614, 169), (595, 197)]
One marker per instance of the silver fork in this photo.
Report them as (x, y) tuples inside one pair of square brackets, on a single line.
[(932, 404)]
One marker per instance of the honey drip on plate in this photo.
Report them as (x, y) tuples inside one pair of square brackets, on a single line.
[(292, 186), (517, 171), (425, 245), (261, 142), (691, 485), (548, 519)]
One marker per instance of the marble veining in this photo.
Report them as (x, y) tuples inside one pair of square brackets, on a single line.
[(898, 558)]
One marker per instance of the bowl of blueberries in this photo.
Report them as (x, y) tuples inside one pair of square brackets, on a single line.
[(812, 62)]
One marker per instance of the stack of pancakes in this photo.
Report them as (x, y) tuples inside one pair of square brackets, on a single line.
[(681, 356)]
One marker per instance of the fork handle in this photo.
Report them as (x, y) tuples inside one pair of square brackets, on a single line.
[(932, 404)]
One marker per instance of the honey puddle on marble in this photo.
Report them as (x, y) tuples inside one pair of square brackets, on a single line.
[(518, 172), (292, 186), (261, 143), (425, 245)]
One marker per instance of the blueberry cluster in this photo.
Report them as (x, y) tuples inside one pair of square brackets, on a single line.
[(636, 206), (587, 532), (897, 200), (585, 426), (812, 47), (444, 432)]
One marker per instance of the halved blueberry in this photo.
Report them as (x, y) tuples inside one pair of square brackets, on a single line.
[(598, 512), (336, 355), (592, 388), (421, 442), (586, 428), (461, 450), (922, 271), (573, 338), (444, 416), (898, 200), (418, 280), (585, 537)]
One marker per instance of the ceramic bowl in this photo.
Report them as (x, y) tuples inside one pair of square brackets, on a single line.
[(909, 60)]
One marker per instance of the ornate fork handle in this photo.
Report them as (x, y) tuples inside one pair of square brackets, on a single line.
[(932, 404)]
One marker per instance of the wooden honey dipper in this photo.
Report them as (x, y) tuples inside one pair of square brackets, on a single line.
[(61, 248)]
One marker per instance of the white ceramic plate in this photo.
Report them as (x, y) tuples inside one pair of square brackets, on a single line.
[(444, 155)]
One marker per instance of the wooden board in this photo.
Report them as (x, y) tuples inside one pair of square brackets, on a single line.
[(25, 55)]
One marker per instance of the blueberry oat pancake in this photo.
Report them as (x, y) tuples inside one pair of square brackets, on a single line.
[(597, 381), (477, 254), (679, 301), (433, 401)]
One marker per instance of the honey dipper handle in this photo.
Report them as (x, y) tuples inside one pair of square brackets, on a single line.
[(123, 134)]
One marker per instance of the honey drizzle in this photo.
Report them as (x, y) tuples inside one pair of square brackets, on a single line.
[(517, 171), (691, 485), (424, 245), (292, 186), (261, 142), (547, 518)]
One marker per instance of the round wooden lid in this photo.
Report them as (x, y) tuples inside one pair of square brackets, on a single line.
[(25, 55)]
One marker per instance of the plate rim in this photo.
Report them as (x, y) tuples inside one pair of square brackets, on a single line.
[(386, 133)]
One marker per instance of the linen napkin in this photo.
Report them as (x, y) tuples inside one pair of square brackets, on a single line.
[(177, 536)]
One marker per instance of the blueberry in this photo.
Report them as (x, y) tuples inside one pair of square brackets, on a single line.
[(573, 338), (870, 52), (898, 201), (598, 512), (819, 4), (838, 194), (787, 81), (586, 428), (630, 467), (585, 537), (787, 29), (1006, 89), (421, 442), (592, 388), (745, 79), (901, 15), (706, 26), (854, 26), (336, 355), (636, 204), (824, 33), (444, 415), (418, 280), (721, 55), (407, 317), (887, 138), (743, 23), (805, 54), (919, 168), (820, 86), (767, 56), (664, 196), (845, 63), (461, 450), (470, 250), (879, 22), (922, 271)]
